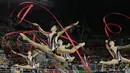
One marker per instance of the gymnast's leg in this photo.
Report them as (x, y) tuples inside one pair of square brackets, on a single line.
[(112, 62), (125, 60), (24, 67), (63, 50), (60, 58), (71, 59), (41, 47)]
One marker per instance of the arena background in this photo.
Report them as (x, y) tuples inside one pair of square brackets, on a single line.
[(89, 13)]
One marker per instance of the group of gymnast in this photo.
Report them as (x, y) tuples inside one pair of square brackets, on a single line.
[(60, 51), (56, 47)]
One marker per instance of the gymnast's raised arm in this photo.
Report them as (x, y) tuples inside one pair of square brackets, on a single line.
[(68, 27), (18, 53), (40, 29), (108, 48)]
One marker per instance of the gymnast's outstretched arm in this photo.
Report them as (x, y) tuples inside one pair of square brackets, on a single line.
[(68, 27), (40, 29), (108, 48), (124, 47), (17, 53)]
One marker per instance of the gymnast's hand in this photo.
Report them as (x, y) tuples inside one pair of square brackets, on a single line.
[(76, 23), (16, 65), (68, 45), (35, 24), (101, 62), (106, 41)]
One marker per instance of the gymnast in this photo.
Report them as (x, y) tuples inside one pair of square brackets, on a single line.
[(29, 59), (64, 50), (114, 51)]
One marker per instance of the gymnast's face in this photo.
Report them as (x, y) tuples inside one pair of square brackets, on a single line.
[(111, 43), (29, 53), (53, 28)]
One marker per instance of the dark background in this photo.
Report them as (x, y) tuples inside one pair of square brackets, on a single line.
[(89, 13)]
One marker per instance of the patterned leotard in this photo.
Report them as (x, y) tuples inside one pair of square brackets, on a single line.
[(117, 55), (52, 42)]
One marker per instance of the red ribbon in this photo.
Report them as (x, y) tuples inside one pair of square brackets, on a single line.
[(28, 7), (116, 25), (25, 32)]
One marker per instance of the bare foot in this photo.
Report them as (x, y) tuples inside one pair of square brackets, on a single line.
[(71, 59), (101, 62), (35, 24), (37, 65), (76, 23), (16, 65), (23, 36), (82, 44), (45, 70)]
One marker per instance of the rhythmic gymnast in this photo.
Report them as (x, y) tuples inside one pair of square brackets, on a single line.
[(114, 51), (29, 59), (64, 50)]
